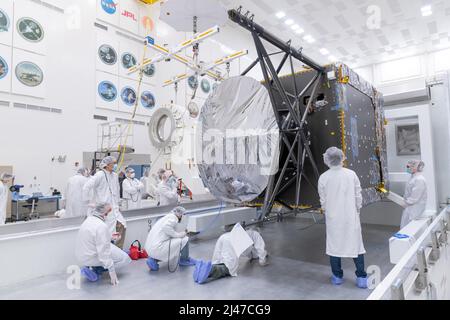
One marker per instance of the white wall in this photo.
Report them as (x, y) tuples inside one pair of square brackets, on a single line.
[(406, 74), (412, 74)]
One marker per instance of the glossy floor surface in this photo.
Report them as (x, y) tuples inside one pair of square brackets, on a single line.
[(298, 269)]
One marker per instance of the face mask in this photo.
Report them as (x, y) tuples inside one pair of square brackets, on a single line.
[(409, 170), (115, 167), (132, 175)]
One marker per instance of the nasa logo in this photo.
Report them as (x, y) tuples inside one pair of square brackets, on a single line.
[(109, 6), (3, 68), (129, 14)]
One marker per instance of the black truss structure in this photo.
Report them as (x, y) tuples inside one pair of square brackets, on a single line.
[(290, 116)]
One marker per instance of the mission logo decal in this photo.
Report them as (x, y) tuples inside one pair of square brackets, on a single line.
[(29, 74), (148, 100), (4, 21), (128, 96), (107, 91), (109, 6), (3, 68)]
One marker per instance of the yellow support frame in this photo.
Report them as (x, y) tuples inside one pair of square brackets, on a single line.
[(149, 1)]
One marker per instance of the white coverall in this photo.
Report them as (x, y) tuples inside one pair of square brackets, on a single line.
[(340, 197), (75, 205), (415, 198), (163, 234), (224, 252), (94, 248), (132, 192), (151, 185), (167, 194), (104, 187), (3, 202)]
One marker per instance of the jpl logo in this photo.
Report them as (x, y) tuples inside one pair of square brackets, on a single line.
[(110, 6), (129, 14)]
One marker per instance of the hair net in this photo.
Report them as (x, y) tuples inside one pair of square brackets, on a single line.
[(161, 173), (6, 176), (102, 207), (167, 174), (333, 157), (83, 171), (416, 165), (129, 170), (179, 211), (107, 161)]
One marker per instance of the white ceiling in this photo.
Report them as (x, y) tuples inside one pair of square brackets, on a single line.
[(340, 26)]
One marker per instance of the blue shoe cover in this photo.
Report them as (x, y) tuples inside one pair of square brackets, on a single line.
[(90, 274), (197, 269), (187, 262), (336, 281), (204, 272), (361, 283), (152, 264)]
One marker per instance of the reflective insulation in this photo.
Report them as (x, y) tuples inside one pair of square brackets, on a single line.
[(238, 140), (379, 174)]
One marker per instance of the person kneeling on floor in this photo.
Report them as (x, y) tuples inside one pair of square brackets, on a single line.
[(94, 249), (229, 248), (164, 240)]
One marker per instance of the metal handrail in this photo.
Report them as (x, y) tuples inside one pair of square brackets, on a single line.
[(393, 278)]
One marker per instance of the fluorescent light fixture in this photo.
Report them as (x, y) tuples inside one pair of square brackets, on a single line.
[(308, 38), (295, 27), (289, 22), (324, 52), (280, 15), (426, 11), (332, 58), (299, 31)]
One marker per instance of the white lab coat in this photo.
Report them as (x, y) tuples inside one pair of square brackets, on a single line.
[(132, 192), (224, 252), (3, 202), (94, 248), (167, 195), (104, 187), (340, 197), (164, 234), (75, 205), (415, 198), (150, 185)]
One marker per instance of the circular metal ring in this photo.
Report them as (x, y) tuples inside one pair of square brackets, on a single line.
[(157, 125)]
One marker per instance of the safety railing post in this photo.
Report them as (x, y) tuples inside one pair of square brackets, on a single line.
[(421, 281), (397, 292)]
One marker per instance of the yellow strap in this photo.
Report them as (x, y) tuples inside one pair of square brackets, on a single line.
[(136, 104)]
